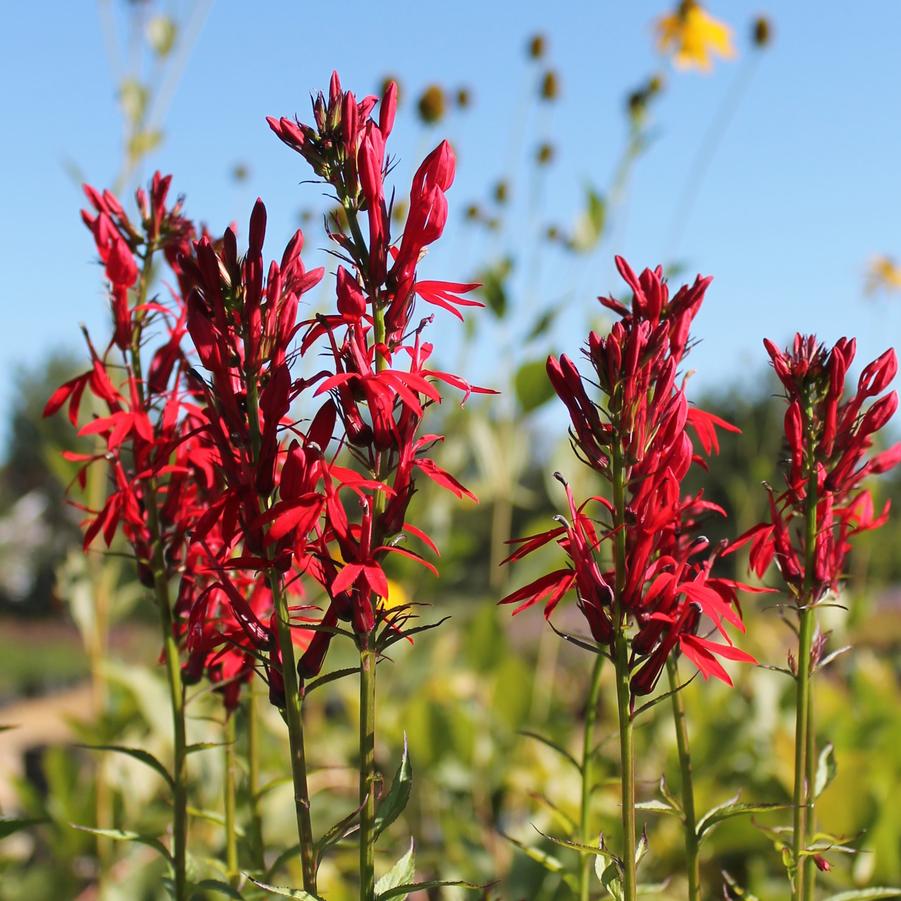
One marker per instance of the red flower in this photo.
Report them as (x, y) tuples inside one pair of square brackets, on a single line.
[(638, 431), (831, 435)]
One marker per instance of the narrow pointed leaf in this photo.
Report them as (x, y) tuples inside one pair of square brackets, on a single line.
[(121, 835), (732, 808), (284, 891), (866, 894), (401, 891), (553, 746), (392, 805), (402, 873), (826, 769), (9, 825), (222, 888), (138, 754)]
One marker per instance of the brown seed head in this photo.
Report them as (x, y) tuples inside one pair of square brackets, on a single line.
[(432, 104)]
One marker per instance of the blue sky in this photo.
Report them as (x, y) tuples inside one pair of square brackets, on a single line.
[(804, 187)]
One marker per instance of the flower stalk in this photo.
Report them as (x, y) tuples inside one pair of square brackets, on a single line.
[(232, 868), (689, 817), (586, 863)]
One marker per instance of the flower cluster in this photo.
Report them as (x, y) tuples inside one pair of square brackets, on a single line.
[(380, 384), (159, 472), (829, 438), (636, 437)]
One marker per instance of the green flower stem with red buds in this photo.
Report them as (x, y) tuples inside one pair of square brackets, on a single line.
[(802, 798), (623, 690), (293, 715), (692, 845), (294, 721), (586, 864), (164, 605), (368, 662), (368, 775)]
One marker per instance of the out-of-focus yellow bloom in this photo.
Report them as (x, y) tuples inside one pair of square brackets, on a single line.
[(884, 274), (691, 35), (397, 597)]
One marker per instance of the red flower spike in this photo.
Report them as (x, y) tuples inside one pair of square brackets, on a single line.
[(667, 587)]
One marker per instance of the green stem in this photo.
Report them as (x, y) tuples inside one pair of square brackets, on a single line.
[(164, 606), (688, 794), (294, 721), (802, 723), (805, 750), (623, 689), (177, 702), (293, 715), (253, 778), (232, 868), (368, 775), (627, 763), (585, 834), (97, 641)]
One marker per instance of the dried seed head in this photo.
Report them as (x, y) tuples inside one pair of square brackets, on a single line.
[(761, 31), (550, 86), (386, 81), (464, 98), (537, 46), (432, 104), (545, 154), (501, 192)]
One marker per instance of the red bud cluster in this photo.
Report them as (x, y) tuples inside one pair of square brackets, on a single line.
[(829, 434), (636, 436)]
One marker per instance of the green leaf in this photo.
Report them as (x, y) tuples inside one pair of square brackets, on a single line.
[(826, 769), (340, 830), (402, 873), (553, 746), (736, 889), (866, 894), (599, 850), (284, 891), (732, 808), (611, 877), (662, 697), (9, 825), (273, 784), (566, 822), (223, 888), (493, 286), (121, 835), (330, 677), (590, 225), (133, 96), (212, 816), (392, 805), (543, 323), (548, 861), (138, 754), (161, 34), (533, 387), (282, 858), (143, 142), (205, 746), (402, 891), (658, 807)]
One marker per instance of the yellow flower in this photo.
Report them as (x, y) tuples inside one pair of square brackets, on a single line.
[(690, 34), (397, 597), (884, 274)]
